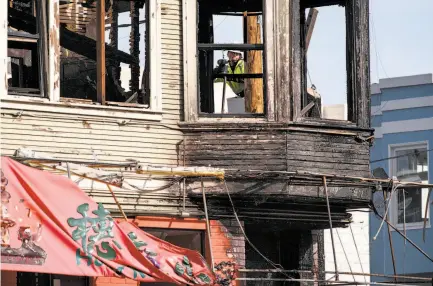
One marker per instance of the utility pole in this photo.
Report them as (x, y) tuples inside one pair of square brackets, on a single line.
[(254, 101)]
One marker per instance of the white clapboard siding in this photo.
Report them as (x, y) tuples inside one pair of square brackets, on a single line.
[(68, 136)]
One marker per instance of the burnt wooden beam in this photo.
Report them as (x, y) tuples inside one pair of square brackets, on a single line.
[(297, 64), (114, 38), (134, 46), (309, 26), (87, 47), (100, 51), (44, 65), (68, 39), (359, 58)]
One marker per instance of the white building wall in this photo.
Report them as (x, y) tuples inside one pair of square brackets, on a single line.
[(357, 247), (344, 242)]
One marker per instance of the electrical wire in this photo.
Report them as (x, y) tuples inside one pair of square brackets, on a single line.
[(345, 254), (399, 156), (357, 251), (220, 23), (394, 187), (276, 266)]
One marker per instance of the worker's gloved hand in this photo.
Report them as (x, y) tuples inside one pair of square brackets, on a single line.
[(221, 66)]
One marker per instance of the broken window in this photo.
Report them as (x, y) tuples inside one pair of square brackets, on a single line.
[(126, 72), (230, 57), (26, 53), (324, 48), (126, 75)]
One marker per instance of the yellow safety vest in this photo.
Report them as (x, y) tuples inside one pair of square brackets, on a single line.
[(237, 85)]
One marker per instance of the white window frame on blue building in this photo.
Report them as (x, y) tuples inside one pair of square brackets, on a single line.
[(393, 149)]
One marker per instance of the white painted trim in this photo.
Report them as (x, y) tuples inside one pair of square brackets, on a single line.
[(4, 48), (154, 15), (391, 167), (401, 81), (189, 19), (43, 105), (272, 47), (398, 104), (53, 51)]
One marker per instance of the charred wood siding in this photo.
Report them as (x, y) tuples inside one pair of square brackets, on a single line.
[(234, 150), (278, 151)]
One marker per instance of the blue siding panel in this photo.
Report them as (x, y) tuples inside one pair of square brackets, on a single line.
[(408, 259)]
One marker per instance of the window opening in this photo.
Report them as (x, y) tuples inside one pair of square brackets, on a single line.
[(45, 279), (411, 164), (191, 239), (126, 61), (25, 50), (324, 52), (230, 57), (126, 42)]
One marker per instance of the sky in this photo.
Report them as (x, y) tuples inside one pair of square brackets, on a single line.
[(401, 43)]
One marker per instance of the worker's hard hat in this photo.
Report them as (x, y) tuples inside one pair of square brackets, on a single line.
[(236, 51)]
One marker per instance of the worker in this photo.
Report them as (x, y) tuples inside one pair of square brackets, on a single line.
[(235, 65)]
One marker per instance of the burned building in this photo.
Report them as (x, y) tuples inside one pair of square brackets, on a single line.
[(152, 81)]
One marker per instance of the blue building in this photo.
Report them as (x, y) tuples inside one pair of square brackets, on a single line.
[(402, 115)]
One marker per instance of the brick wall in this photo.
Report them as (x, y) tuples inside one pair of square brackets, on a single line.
[(106, 281), (228, 243), (8, 278)]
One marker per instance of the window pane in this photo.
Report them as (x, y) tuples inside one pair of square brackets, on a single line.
[(224, 86), (224, 29), (325, 70), (411, 165), (411, 201), (126, 45), (23, 51)]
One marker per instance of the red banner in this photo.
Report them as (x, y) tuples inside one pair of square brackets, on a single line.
[(49, 225)]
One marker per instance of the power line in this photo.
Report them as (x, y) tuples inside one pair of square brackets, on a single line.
[(220, 23), (399, 156)]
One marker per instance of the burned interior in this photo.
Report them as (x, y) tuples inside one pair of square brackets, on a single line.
[(230, 64), (125, 33), (26, 50)]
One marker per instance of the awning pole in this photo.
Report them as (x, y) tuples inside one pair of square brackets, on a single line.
[(207, 224), (117, 202)]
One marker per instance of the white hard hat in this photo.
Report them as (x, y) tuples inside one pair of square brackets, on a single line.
[(237, 51)]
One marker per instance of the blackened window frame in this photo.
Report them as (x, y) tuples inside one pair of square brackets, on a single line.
[(357, 60), (40, 9), (206, 47)]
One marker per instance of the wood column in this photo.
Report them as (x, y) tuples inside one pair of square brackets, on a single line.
[(134, 45), (254, 101), (100, 51), (114, 37)]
